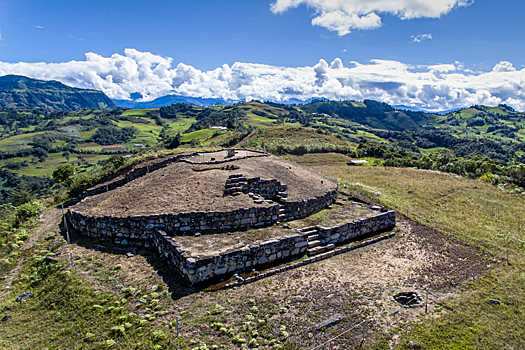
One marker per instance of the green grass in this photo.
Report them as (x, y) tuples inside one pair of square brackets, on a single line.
[(86, 135), (477, 212), (139, 112), (67, 312), (202, 135), (18, 141), (471, 322)]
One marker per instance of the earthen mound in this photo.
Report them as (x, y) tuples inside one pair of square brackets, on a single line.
[(184, 187)]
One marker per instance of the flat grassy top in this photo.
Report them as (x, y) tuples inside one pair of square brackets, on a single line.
[(291, 137)]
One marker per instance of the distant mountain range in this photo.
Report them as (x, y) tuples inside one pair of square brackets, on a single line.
[(196, 101), (169, 100), (21, 92)]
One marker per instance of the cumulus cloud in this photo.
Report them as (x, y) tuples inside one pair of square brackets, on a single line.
[(419, 38), (432, 87), (504, 66), (343, 16)]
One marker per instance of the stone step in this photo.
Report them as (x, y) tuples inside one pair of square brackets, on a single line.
[(313, 244), (311, 233), (320, 250), (313, 237), (307, 229)]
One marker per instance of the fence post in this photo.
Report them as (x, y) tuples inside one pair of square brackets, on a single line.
[(177, 321), (507, 256), (407, 212), (364, 331), (426, 302), (71, 258), (147, 167), (115, 285), (65, 226), (474, 271)]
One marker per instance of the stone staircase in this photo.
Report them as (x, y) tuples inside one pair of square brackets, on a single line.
[(317, 244)]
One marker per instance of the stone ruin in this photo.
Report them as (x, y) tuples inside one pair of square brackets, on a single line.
[(161, 230), (257, 188)]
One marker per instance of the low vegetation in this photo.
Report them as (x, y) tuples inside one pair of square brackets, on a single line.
[(461, 174)]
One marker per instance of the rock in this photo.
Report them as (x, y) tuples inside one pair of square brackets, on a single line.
[(130, 254), (155, 288), (328, 323), (286, 226), (24, 296), (6, 318), (494, 302), (413, 345), (375, 207), (50, 260)]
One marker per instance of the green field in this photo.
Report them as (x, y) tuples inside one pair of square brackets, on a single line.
[(18, 141)]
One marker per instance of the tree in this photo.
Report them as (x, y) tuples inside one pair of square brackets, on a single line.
[(173, 142), (64, 174)]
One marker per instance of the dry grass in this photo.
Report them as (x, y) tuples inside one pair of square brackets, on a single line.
[(475, 208)]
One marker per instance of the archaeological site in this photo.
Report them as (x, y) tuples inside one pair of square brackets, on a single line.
[(230, 215)]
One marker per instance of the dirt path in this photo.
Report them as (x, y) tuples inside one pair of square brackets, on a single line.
[(48, 223)]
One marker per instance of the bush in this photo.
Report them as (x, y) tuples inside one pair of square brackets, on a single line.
[(28, 211)]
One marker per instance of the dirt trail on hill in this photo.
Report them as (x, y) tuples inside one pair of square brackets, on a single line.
[(49, 222)]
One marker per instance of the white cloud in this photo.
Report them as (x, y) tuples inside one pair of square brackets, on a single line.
[(419, 38), (432, 87), (504, 66), (39, 27), (343, 16)]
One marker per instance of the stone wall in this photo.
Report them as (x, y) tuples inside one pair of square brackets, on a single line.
[(267, 189), (354, 229), (199, 269), (293, 210), (130, 230)]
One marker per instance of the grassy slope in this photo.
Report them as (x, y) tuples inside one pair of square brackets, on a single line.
[(69, 298), (475, 211)]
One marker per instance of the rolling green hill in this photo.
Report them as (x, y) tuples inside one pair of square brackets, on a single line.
[(22, 92), (33, 142)]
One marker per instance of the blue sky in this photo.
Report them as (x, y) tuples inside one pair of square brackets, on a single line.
[(274, 48)]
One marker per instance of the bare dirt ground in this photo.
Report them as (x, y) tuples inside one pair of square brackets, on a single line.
[(219, 155), (178, 188), (358, 285)]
